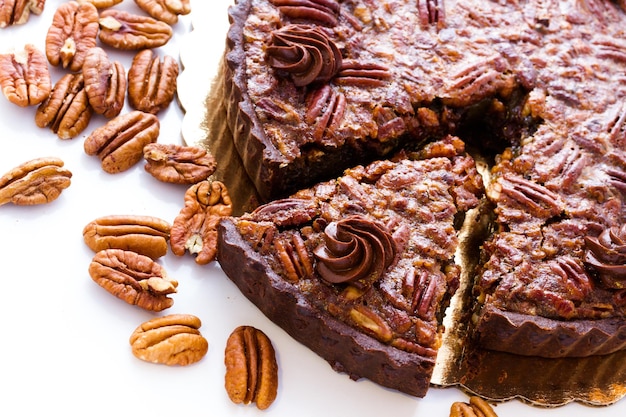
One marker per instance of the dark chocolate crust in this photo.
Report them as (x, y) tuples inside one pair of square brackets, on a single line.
[(528, 335), (345, 349)]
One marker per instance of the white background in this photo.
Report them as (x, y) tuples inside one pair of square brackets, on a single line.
[(64, 346)]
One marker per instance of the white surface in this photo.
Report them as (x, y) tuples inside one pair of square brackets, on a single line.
[(64, 346)]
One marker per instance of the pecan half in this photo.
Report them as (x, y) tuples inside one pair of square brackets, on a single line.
[(251, 368), (103, 4), (533, 197), (66, 110), (372, 323), (151, 81), (145, 235), (174, 339), (134, 278), (578, 283), (321, 11), (431, 12), (37, 181), (119, 143), (128, 31), (476, 407), (178, 164), (195, 227), (165, 10), (286, 211), (72, 34), (294, 257), (422, 289), (362, 74), (325, 111), (17, 12), (24, 76), (105, 83)]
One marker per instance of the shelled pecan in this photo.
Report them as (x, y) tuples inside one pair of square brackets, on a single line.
[(325, 12), (128, 31), (103, 4), (165, 10), (66, 110), (134, 278), (105, 83), (251, 368), (24, 76), (174, 339), (72, 34), (476, 407), (325, 111), (152, 81), (431, 12), (17, 12), (37, 181), (195, 227), (362, 74), (119, 143), (294, 257), (146, 235), (178, 164)]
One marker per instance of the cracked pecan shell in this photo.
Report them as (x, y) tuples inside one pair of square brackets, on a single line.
[(128, 31), (178, 164), (152, 81), (72, 34), (24, 76), (37, 181), (119, 143), (174, 339), (66, 110), (165, 10), (105, 83), (134, 278)]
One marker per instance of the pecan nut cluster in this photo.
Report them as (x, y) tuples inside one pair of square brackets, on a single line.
[(251, 368), (38, 181)]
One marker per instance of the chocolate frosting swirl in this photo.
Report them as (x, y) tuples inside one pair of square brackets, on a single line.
[(305, 52), (356, 250), (606, 254)]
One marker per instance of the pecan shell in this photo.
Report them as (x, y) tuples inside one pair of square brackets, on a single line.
[(24, 76), (72, 34), (151, 81), (38, 181), (165, 10), (128, 31), (174, 339), (145, 235), (105, 83), (134, 278), (119, 143), (178, 164), (66, 110), (251, 368), (195, 227)]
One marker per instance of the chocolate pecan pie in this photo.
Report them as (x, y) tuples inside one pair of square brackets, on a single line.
[(314, 87), (361, 268)]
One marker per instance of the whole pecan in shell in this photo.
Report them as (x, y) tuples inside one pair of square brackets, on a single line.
[(178, 164), (251, 368), (72, 34), (165, 10), (151, 81), (195, 227), (37, 181), (119, 143), (134, 278), (105, 83), (24, 76), (128, 31), (174, 339)]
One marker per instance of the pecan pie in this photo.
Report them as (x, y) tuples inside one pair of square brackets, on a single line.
[(315, 87), (361, 268)]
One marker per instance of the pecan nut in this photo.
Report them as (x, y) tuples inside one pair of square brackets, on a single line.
[(134, 278), (178, 164), (24, 76), (128, 31), (152, 82), (145, 235), (66, 110), (325, 12), (251, 368), (17, 12), (103, 4), (38, 181), (165, 10), (119, 143), (477, 407), (174, 339), (195, 227), (72, 34), (105, 83)]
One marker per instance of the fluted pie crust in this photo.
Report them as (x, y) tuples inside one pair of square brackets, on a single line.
[(539, 87)]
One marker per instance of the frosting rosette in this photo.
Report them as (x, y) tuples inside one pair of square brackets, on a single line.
[(606, 254), (305, 52), (355, 250)]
